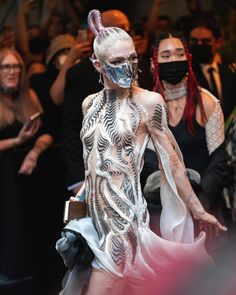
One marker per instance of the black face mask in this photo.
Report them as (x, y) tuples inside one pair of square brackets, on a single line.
[(13, 91), (201, 53), (173, 72)]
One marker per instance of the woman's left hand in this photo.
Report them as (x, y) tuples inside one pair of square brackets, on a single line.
[(29, 163)]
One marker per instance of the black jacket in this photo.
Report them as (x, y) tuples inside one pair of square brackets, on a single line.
[(81, 81), (228, 84)]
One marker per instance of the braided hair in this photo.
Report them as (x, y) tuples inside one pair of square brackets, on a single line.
[(194, 97)]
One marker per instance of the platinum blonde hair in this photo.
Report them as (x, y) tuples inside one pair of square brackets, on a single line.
[(104, 36)]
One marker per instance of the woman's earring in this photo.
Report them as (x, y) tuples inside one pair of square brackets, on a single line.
[(100, 81), (186, 77)]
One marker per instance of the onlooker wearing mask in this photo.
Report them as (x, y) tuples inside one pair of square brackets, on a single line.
[(196, 121), (205, 38)]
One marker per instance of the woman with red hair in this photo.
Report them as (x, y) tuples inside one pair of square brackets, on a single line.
[(195, 119)]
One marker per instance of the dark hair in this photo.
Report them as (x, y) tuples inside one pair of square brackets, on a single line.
[(194, 96), (207, 23)]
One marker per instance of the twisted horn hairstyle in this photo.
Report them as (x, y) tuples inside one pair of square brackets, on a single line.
[(104, 36)]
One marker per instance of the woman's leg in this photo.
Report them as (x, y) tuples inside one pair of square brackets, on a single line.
[(103, 283)]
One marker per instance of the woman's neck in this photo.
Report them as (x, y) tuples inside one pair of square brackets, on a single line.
[(175, 91)]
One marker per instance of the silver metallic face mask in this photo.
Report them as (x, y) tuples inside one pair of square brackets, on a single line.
[(123, 74)]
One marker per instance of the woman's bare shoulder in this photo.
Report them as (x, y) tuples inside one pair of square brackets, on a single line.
[(88, 99), (149, 99)]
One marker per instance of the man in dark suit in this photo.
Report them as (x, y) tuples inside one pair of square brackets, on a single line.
[(211, 72), (81, 81)]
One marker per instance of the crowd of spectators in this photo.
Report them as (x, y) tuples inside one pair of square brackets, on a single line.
[(45, 68)]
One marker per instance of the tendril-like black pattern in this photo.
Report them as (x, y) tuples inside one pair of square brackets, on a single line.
[(157, 117), (109, 137)]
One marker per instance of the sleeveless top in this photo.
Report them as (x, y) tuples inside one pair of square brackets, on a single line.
[(193, 147)]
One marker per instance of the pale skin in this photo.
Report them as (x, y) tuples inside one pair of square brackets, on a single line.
[(169, 50), (11, 79), (79, 50), (120, 51)]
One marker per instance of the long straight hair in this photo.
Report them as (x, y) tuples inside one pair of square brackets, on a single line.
[(23, 105), (194, 97)]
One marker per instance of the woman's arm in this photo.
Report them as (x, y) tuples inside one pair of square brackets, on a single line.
[(162, 137), (24, 134), (22, 39), (77, 52), (43, 141), (31, 159), (7, 144)]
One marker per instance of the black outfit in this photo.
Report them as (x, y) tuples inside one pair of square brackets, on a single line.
[(145, 77), (54, 193), (81, 81), (13, 246), (31, 213), (213, 169), (192, 147), (228, 84), (41, 84)]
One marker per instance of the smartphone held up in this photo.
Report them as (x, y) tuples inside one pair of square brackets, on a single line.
[(32, 119)]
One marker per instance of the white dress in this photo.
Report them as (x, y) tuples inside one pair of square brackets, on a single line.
[(115, 134)]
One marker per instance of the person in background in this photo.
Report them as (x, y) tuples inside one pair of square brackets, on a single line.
[(55, 58), (80, 49), (7, 37), (56, 21), (195, 11), (141, 42), (34, 68), (31, 41), (56, 193), (204, 40), (118, 123), (196, 121), (23, 141)]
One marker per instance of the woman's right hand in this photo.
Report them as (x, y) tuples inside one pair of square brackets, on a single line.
[(26, 133)]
